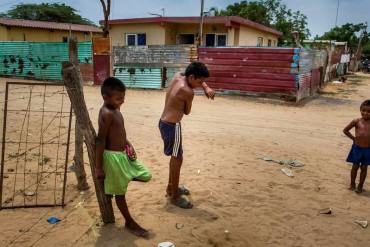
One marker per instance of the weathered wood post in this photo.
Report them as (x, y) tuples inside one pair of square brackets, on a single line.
[(78, 157), (73, 83)]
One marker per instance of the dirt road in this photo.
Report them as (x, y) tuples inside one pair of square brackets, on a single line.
[(232, 189)]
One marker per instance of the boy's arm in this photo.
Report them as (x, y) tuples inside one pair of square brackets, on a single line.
[(347, 129), (188, 98), (105, 120), (209, 92)]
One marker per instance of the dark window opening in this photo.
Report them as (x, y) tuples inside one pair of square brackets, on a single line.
[(141, 39), (216, 39), (210, 40), (185, 39), (269, 43)]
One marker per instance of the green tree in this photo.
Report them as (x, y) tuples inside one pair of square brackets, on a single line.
[(56, 12), (366, 49), (272, 13), (350, 33), (255, 11)]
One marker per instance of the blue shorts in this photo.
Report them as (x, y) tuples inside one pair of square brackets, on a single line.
[(359, 155), (172, 138)]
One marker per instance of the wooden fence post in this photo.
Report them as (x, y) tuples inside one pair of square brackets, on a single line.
[(79, 156), (73, 83)]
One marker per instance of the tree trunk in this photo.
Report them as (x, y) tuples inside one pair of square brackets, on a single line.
[(78, 157), (106, 12), (73, 82)]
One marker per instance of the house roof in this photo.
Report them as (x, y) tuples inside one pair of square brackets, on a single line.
[(227, 20), (48, 25)]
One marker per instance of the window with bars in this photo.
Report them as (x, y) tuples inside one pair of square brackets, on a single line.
[(213, 39), (135, 39)]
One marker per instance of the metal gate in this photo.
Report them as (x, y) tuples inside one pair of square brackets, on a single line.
[(35, 145)]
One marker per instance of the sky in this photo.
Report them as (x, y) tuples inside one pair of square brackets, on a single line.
[(321, 13)]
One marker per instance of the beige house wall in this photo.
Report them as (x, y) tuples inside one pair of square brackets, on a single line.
[(3, 33), (43, 35), (155, 33), (172, 30), (166, 34), (249, 37), (236, 37)]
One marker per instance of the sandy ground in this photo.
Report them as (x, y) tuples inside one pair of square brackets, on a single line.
[(231, 188)]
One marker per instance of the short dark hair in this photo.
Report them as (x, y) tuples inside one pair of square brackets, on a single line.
[(197, 69), (112, 84), (366, 103)]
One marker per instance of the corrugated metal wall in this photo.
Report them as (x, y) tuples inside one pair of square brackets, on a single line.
[(246, 69), (151, 66), (138, 77), (38, 60)]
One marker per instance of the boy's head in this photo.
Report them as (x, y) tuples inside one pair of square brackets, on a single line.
[(113, 92), (196, 73), (365, 110)]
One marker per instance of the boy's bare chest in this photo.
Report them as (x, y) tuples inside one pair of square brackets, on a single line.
[(363, 128)]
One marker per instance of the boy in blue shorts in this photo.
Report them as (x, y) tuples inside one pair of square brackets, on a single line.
[(115, 156), (178, 102), (360, 151)]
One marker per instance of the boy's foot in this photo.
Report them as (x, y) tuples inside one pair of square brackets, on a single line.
[(359, 190), (182, 203), (137, 230), (182, 191), (352, 187)]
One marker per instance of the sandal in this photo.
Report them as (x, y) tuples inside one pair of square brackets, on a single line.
[(183, 203), (183, 191)]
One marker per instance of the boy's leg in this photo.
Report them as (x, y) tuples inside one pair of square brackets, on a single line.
[(169, 186), (353, 176), (362, 178), (175, 168), (130, 224)]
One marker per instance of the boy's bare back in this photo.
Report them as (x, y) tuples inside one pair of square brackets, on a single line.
[(112, 128), (179, 99)]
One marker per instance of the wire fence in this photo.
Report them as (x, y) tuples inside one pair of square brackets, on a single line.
[(35, 145)]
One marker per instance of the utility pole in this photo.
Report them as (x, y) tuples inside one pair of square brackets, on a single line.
[(336, 18), (357, 54), (200, 38)]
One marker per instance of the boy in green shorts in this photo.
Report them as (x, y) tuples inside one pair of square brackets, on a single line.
[(115, 156)]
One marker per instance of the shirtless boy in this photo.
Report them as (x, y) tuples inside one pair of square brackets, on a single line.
[(115, 156), (178, 102), (359, 155)]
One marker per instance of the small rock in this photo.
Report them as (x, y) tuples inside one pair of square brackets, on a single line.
[(227, 234), (287, 172), (166, 244), (326, 211), (179, 226), (29, 193), (362, 223)]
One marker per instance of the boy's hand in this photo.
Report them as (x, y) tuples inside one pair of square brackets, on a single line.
[(210, 93), (99, 173), (130, 151)]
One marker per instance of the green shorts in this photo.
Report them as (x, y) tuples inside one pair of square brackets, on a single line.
[(119, 171)]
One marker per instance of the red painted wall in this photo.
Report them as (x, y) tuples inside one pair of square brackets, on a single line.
[(263, 70)]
